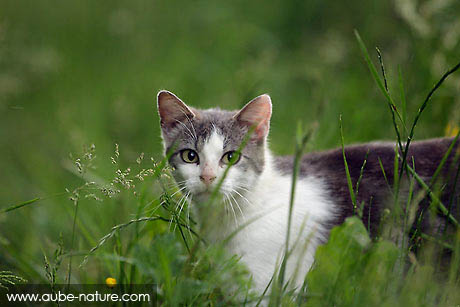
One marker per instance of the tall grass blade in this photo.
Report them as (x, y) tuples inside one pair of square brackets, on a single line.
[(30, 202), (20, 205), (72, 241), (302, 139), (402, 97), (433, 197), (443, 160), (262, 296), (376, 75), (117, 228), (347, 170), (361, 173), (420, 111), (391, 104), (384, 174)]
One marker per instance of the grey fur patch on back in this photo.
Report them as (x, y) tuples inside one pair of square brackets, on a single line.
[(374, 190)]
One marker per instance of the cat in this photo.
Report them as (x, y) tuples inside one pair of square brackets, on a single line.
[(201, 143)]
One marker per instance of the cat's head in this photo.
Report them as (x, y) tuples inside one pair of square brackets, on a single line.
[(201, 144)]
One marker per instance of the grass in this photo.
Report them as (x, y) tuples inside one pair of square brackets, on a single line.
[(119, 216), (351, 269)]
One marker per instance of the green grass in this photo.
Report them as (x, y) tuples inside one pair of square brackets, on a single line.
[(82, 73)]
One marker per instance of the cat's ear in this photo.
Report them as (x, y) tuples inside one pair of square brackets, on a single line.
[(257, 114), (172, 110)]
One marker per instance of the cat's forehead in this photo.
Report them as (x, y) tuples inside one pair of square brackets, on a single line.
[(199, 130), (213, 120), (221, 122)]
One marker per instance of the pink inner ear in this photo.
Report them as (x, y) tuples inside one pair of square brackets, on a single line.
[(257, 113), (172, 109)]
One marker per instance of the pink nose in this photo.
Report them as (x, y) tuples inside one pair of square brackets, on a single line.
[(207, 179)]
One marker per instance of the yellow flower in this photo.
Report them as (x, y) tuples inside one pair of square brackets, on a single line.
[(111, 282), (451, 129)]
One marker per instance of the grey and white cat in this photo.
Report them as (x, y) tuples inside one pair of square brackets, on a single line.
[(201, 143)]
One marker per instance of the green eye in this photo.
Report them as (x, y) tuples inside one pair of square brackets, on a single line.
[(231, 157), (189, 156)]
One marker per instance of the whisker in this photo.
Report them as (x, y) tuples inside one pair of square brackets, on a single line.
[(239, 208), (175, 209), (183, 203), (233, 210), (181, 181), (175, 184), (153, 209), (177, 191), (226, 208), (182, 206), (179, 202), (242, 188), (188, 216), (243, 197)]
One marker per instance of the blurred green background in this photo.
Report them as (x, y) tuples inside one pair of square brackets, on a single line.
[(74, 73)]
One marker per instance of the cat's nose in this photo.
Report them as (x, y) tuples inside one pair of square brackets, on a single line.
[(207, 179)]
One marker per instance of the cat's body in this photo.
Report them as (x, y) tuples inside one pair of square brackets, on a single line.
[(374, 188), (261, 243), (258, 185)]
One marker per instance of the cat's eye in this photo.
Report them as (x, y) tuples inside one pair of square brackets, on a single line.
[(189, 156), (231, 157)]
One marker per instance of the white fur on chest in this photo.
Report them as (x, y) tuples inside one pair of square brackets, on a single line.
[(261, 243)]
